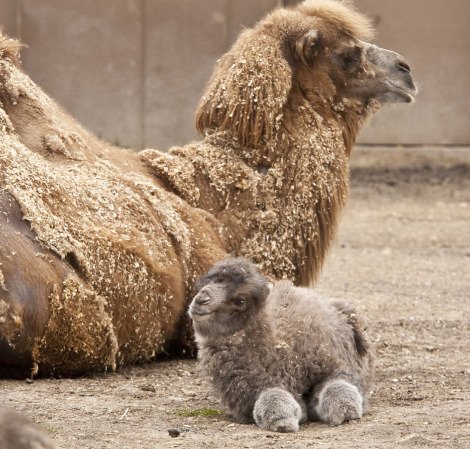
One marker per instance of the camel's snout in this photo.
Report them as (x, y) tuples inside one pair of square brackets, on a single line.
[(395, 82), (403, 66), (406, 77), (202, 298), (203, 303)]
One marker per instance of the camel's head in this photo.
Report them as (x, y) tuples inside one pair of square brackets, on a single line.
[(332, 62), (232, 292), (314, 52)]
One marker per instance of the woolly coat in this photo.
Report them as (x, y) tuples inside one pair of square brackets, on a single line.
[(295, 342)]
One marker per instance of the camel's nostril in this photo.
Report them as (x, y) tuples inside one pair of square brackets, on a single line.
[(202, 300), (403, 66)]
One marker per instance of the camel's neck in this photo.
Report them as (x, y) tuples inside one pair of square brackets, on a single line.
[(279, 203), (305, 190)]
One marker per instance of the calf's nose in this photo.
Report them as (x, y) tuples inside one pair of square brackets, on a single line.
[(202, 298)]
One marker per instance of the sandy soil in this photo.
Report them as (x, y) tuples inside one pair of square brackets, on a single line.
[(402, 257)]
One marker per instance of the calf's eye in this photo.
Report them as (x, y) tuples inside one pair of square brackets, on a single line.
[(240, 302)]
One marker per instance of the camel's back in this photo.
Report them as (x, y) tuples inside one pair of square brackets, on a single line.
[(313, 327), (299, 310), (125, 250)]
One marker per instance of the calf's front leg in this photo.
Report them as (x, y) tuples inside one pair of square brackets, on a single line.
[(335, 402), (276, 409)]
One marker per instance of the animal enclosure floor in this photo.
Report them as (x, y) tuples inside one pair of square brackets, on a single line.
[(402, 257)]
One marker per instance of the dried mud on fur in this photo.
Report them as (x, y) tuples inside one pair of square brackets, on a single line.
[(126, 251)]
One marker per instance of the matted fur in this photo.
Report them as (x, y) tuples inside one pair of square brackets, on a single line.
[(96, 257), (273, 166), (241, 97), (341, 13), (249, 88), (9, 48), (99, 273)]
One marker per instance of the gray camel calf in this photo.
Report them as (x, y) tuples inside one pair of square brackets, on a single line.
[(279, 355)]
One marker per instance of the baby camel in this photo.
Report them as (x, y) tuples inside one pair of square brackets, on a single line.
[(279, 355)]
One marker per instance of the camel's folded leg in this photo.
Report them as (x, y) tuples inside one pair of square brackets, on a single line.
[(42, 320), (28, 274), (335, 401), (276, 409)]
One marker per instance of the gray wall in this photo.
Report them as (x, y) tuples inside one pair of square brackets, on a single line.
[(133, 70)]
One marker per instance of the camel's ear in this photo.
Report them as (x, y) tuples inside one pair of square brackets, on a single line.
[(247, 91), (306, 46)]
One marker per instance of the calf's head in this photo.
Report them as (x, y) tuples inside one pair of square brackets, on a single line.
[(231, 292)]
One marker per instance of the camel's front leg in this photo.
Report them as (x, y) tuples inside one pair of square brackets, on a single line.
[(276, 409), (335, 402)]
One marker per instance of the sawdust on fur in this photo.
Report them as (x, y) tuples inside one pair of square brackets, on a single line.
[(268, 181), (130, 243)]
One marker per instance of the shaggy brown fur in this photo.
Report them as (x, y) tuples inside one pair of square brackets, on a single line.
[(124, 235), (251, 339), (96, 257), (280, 115)]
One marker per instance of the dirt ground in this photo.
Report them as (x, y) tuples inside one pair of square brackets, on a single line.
[(402, 257)]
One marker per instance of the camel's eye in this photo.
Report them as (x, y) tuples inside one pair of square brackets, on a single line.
[(351, 57), (240, 302)]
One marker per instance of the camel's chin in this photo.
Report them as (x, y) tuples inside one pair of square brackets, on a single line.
[(199, 316), (399, 94)]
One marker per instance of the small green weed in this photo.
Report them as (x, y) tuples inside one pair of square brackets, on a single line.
[(48, 428)]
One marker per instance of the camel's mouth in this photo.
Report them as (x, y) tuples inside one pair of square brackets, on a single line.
[(406, 94), (198, 315)]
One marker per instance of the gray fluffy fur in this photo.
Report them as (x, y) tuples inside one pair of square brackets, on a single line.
[(17, 432), (279, 356)]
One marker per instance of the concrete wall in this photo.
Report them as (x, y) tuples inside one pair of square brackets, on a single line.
[(133, 70)]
